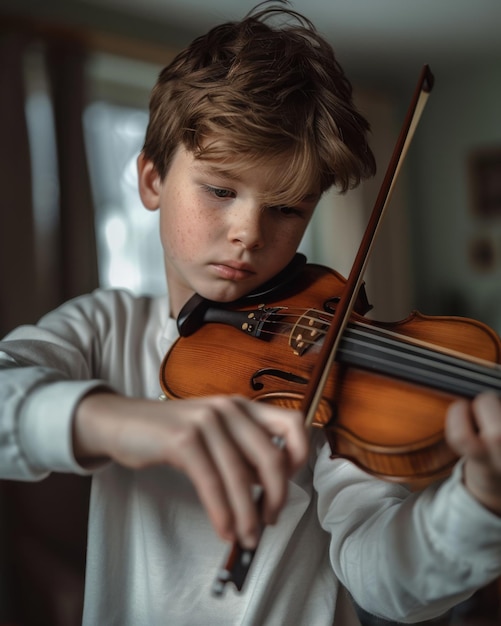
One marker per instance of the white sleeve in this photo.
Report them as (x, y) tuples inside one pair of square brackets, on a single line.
[(405, 556), (43, 376)]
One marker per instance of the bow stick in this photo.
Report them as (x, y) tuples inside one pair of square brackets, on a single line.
[(239, 559)]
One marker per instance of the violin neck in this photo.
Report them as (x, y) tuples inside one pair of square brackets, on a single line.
[(375, 349)]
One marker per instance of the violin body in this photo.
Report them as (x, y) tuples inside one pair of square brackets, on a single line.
[(385, 401)]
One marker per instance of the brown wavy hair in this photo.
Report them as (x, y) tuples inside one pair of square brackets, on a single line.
[(265, 88)]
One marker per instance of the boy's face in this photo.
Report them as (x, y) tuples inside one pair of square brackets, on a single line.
[(220, 238)]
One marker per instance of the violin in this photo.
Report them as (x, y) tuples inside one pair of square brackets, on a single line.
[(379, 390), (387, 394)]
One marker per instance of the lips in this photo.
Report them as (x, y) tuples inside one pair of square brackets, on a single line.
[(232, 270)]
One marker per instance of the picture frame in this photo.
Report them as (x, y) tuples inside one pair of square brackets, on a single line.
[(485, 182)]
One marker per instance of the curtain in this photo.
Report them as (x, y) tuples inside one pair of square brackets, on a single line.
[(18, 289), (77, 249), (43, 525), (25, 291)]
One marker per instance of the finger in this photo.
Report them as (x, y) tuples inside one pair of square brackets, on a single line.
[(234, 465), (232, 456), (193, 457), (166, 434), (260, 439), (213, 497), (251, 459), (288, 425), (461, 432), (487, 415)]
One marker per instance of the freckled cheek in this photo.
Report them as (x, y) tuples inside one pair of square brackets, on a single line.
[(178, 243), (184, 239), (286, 239)]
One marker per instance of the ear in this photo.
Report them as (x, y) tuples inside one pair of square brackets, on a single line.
[(150, 183)]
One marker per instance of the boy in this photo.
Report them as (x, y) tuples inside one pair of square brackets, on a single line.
[(248, 127)]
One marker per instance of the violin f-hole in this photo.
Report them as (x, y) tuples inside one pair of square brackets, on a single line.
[(270, 371)]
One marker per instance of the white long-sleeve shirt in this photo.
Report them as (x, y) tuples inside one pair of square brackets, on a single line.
[(152, 554)]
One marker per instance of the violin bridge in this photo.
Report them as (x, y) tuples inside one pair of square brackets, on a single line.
[(307, 331)]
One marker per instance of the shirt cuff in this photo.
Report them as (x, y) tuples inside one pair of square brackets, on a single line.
[(46, 425), (467, 526)]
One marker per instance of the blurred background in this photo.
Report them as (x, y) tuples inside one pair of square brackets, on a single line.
[(75, 77)]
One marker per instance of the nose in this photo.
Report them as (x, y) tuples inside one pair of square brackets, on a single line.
[(246, 227)]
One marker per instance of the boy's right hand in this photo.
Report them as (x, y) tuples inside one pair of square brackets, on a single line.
[(223, 443)]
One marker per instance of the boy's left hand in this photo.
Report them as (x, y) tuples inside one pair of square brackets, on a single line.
[(473, 431)]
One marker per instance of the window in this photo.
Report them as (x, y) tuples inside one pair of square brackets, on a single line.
[(128, 242)]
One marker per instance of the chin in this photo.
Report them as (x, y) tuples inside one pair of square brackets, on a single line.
[(225, 295)]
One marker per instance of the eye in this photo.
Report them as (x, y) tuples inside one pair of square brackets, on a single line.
[(219, 192), (285, 210), (222, 193)]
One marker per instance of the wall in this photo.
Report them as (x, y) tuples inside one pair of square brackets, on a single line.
[(339, 222), (462, 115)]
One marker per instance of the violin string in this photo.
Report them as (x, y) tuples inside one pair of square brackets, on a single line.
[(418, 361), (373, 330), (418, 347), (428, 367)]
